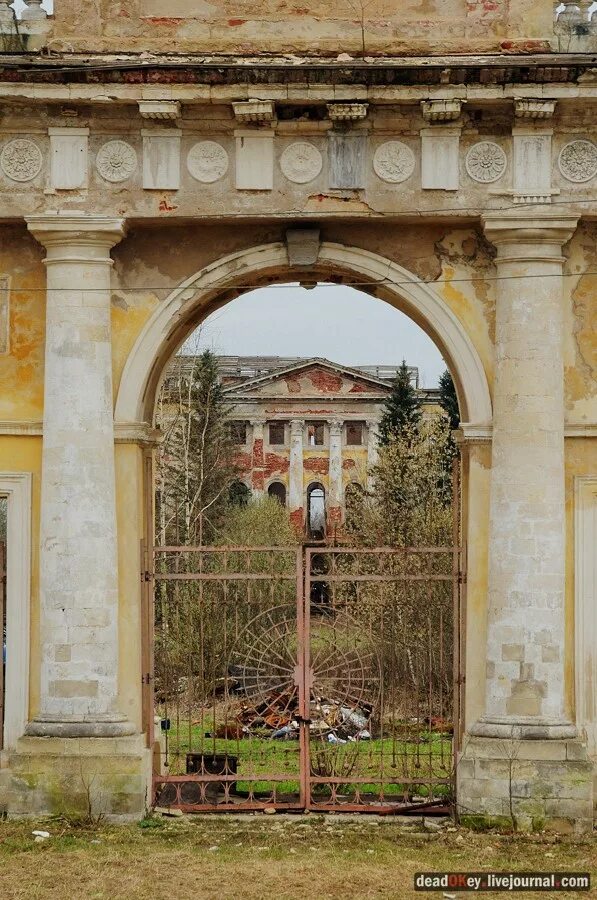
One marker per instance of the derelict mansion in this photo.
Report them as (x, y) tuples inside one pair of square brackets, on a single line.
[(306, 430)]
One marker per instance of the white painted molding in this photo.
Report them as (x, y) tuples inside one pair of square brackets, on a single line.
[(180, 313), (16, 486), (585, 606)]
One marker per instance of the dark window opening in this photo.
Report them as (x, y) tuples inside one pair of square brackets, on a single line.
[(277, 434), (354, 434), (239, 493), (238, 432), (315, 434), (278, 491), (316, 511)]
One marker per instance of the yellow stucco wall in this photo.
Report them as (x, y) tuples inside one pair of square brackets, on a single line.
[(150, 263)]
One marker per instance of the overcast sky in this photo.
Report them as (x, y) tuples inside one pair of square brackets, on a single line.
[(336, 322)]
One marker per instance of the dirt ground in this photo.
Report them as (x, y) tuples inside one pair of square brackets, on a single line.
[(249, 857)]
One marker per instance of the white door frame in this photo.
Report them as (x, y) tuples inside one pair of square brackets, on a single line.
[(16, 487)]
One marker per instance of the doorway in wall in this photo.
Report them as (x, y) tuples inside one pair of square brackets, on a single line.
[(296, 676)]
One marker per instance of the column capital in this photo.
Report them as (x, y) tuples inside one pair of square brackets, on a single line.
[(335, 426), (295, 424), (529, 234), (89, 236)]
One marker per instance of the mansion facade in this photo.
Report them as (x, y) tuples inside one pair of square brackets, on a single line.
[(307, 431)]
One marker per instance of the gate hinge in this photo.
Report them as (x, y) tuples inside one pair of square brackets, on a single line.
[(146, 679), (462, 578), (146, 576)]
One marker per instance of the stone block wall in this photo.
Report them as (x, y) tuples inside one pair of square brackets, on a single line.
[(533, 783)]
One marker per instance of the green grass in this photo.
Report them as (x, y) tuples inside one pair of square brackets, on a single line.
[(253, 857), (406, 765)]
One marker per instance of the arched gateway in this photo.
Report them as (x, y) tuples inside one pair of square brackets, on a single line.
[(92, 643), (166, 162)]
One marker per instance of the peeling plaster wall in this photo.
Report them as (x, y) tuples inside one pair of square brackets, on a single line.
[(380, 26), (148, 265)]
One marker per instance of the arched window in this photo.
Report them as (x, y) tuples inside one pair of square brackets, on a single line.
[(316, 511), (239, 493), (277, 490)]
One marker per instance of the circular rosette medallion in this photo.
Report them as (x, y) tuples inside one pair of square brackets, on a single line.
[(21, 160), (207, 161), (301, 162), (485, 162), (578, 161), (393, 162), (116, 161)]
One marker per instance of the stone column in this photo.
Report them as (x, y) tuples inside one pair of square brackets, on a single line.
[(525, 641), (257, 472), (372, 449), (78, 552), (295, 474), (334, 505)]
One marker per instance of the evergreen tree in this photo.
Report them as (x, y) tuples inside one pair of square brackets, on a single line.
[(448, 399), (196, 467), (402, 408)]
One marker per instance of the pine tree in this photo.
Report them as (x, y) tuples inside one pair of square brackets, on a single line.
[(448, 399), (401, 408), (196, 460)]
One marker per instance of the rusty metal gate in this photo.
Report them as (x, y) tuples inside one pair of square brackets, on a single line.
[(323, 678)]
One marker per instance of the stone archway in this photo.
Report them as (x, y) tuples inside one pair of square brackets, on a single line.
[(225, 279)]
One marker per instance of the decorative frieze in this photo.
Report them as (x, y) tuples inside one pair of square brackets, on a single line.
[(532, 165), (347, 112), (159, 109), (440, 149), (161, 160), (534, 109), (207, 161), (577, 161), (347, 154), (254, 111), (21, 160), (116, 161), (393, 162), (485, 162), (68, 158), (441, 110), (301, 162), (254, 160)]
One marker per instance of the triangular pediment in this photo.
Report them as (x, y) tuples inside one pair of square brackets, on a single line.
[(315, 377)]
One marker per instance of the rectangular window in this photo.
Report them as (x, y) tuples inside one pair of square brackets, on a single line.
[(315, 434), (354, 434), (277, 434), (238, 432)]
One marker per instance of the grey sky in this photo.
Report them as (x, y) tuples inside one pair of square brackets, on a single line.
[(339, 323)]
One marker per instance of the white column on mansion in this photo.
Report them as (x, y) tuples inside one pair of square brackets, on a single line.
[(525, 651), (78, 570), (372, 448), (334, 505), (257, 459), (295, 474)]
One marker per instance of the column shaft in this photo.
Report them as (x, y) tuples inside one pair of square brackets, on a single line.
[(372, 449), (78, 552), (525, 642), (334, 506), (295, 474), (257, 459)]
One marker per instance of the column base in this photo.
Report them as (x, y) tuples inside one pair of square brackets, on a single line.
[(524, 728), (100, 726), (526, 784), (84, 778)]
